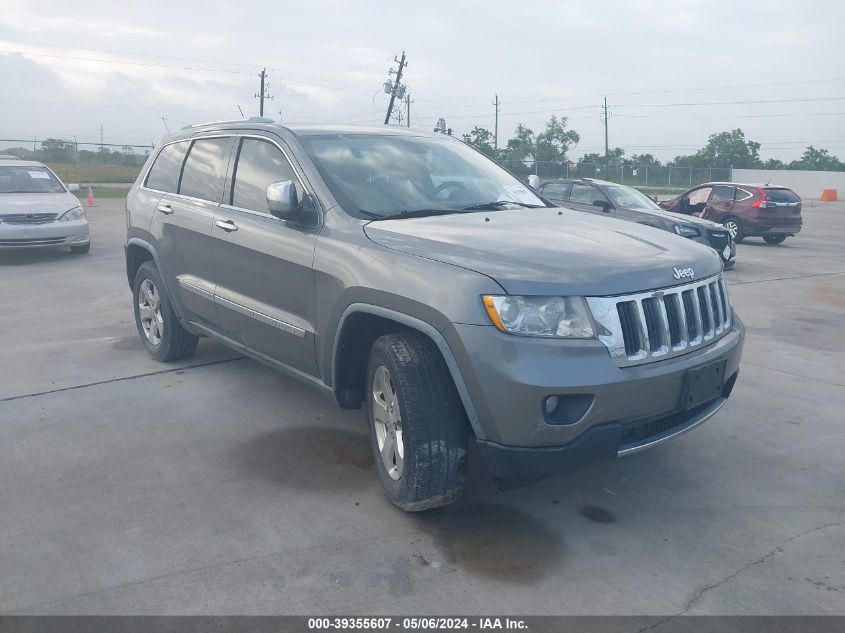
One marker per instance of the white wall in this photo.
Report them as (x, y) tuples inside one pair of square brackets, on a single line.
[(807, 184)]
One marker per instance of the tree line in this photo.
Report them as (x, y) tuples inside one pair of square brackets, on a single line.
[(723, 149), (54, 150)]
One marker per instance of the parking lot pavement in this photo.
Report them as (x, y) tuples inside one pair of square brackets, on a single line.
[(219, 486)]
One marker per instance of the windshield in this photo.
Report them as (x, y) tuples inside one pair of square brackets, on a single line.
[(383, 175), (629, 198), (22, 179)]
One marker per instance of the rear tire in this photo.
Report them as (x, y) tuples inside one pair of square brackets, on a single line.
[(158, 326), (418, 427), (81, 250), (774, 239), (734, 227)]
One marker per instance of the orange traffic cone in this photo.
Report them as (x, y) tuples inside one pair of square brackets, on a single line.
[(91, 202)]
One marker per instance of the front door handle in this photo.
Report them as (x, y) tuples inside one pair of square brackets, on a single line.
[(166, 209), (227, 225)]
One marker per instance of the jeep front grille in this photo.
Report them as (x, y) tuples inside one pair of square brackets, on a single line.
[(651, 326)]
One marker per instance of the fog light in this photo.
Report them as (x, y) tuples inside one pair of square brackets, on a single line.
[(551, 404)]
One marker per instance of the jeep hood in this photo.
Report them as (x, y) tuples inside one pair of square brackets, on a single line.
[(11, 203), (550, 251)]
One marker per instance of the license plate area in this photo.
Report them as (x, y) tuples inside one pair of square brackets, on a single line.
[(703, 384)]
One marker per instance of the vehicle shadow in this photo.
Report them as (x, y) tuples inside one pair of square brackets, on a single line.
[(26, 257)]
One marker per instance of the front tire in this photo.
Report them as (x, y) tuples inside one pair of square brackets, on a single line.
[(418, 427), (734, 227), (159, 327), (774, 239)]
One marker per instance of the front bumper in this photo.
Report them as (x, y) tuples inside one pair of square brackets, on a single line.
[(50, 235), (627, 408)]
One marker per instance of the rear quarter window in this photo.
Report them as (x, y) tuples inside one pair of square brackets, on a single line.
[(782, 195)]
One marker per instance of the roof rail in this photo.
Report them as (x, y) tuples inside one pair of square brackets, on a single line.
[(252, 119)]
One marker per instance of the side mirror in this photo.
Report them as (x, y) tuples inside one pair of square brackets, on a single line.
[(282, 199), (73, 187), (604, 205), (534, 181)]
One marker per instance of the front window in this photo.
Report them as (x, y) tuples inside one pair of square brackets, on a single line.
[(23, 179), (628, 198), (383, 175)]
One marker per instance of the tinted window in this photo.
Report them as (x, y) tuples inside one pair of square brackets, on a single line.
[(586, 194), (742, 194), (29, 180), (205, 169), (782, 195), (164, 174), (556, 190), (259, 164), (722, 192)]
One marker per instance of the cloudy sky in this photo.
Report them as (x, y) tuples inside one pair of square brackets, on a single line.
[(674, 72)]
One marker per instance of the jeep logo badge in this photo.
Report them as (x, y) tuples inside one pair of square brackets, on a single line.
[(682, 273)]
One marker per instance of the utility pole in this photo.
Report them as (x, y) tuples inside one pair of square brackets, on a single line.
[(496, 103), (101, 138), (408, 108), (264, 93), (606, 149), (395, 87)]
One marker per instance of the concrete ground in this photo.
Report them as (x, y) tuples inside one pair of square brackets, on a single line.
[(217, 485)]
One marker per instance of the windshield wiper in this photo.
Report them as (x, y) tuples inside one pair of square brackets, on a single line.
[(416, 213), (496, 204)]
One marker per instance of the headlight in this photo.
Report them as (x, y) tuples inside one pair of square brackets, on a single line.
[(686, 231), (73, 214), (557, 317)]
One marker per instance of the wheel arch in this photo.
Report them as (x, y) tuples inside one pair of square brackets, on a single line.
[(359, 326), (137, 252)]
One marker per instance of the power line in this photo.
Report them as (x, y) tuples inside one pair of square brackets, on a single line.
[(707, 103)]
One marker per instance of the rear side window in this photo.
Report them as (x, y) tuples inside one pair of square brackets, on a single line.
[(722, 192), (742, 194), (205, 169), (586, 194), (259, 164), (782, 195), (164, 174), (556, 190)]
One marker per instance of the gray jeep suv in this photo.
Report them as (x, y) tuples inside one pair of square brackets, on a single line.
[(407, 273)]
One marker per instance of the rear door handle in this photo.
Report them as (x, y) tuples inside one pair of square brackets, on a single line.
[(166, 209), (227, 225)]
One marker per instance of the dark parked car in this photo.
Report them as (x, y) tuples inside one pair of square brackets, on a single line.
[(626, 203), (768, 211)]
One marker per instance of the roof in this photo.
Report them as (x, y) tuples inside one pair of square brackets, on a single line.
[(595, 181), (744, 184), (263, 123), (14, 162)]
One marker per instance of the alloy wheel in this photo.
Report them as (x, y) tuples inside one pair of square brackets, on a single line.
[(149, 309), (387, 422), (733, 228)]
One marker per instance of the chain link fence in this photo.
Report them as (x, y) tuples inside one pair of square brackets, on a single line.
[(656, 178)]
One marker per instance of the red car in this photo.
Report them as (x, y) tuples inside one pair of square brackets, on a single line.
[(768, 211)]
